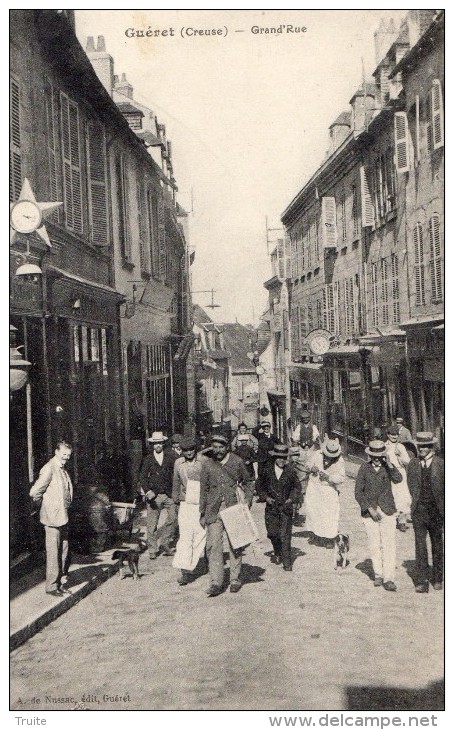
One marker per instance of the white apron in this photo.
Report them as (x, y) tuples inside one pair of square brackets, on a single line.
[(322, 499), (191, 543)]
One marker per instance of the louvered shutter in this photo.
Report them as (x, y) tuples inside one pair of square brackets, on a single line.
[(384, 292), (15, 157), (328, 222), (429, 127), (419, 264), (417, 131), (97, 194), (162, 240), (71, 164), (384, 85), (53, 147), (280, 258), (437, 115), (336, 301), (367, 208), (401, 142), (374, 292), (395, 288), (435, 258), (143, 237)]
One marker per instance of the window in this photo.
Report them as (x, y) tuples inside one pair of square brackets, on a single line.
[(437, 115), (355, 216), (294, 333), (153, 231), (367, 208), (97, 193), (435, 259), (350, 306), (328, 222), (395, 289), (122, 192), (331, 307), (401, 139), (429, 122), (343, 217), (15, 157), (384, 292), (53, 147), (374, 294), (309, 245), (144, 242), (316, 241), (72, 187), (419, 264)]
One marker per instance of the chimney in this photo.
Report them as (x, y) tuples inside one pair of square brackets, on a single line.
[(362, 104), (339, 130), (418, 22), (124, 88), (101, 61), (384, 37)]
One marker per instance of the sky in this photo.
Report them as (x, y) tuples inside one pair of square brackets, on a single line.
[(248, 116)]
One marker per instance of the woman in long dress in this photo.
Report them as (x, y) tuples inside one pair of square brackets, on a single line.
[(327, 473)]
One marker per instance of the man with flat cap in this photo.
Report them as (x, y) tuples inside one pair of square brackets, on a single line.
[(279, 487), (426, 482), (222, 473)]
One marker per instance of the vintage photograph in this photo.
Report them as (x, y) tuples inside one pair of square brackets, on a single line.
[(226, 409)]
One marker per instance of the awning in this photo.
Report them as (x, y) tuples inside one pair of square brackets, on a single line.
[(422, 321), (184, 348)]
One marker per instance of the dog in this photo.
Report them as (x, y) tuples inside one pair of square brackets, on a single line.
[(131, 557), (342, 546)]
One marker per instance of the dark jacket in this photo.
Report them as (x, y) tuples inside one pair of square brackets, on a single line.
[(218, 482), (373, 489), (155, 476), (287, 487), (437, 482), (265, 445)]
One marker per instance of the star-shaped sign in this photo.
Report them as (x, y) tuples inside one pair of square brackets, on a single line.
[(27, 214)]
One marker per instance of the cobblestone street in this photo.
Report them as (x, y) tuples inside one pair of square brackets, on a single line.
[(313, 639)]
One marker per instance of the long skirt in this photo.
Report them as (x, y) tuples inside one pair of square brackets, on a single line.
[(191, 543), (322, 509), (401, 494)]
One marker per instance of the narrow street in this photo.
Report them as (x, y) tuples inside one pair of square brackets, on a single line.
[(313, 639)]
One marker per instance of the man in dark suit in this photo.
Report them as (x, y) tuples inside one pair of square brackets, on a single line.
[(155, 484), (425, 476), (279, 487), (266, 441)]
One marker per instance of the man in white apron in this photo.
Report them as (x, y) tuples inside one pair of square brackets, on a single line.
[(186, 493)]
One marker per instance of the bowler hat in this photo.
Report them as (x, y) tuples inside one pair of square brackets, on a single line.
[(187, 443), (331, 448), (393, 430), (157, 437), (425, 438), (219, 438), (376, 448), (279, 450)]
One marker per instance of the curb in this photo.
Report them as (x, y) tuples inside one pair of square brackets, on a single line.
[(26, 632)]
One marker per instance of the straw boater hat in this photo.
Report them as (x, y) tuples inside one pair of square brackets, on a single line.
[(265, 423), (157, 437), (279, 450), (376, 448), (331, 448), (425, 438)]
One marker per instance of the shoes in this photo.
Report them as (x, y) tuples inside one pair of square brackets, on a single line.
[(183, 580), (152, 556), (168, 551), (389, 585), (235, 587), (438, 586), (402, 526), (65, 590), (57, 593), (378, 581), (214, 590), (288, 567), (276, 559), (422, 588)]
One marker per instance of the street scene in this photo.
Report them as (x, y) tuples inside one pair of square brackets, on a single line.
[(227, 360)]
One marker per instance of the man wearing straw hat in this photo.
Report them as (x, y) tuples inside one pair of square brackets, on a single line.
[(373, 492), (279, 487), (155, 484), (426, 483)]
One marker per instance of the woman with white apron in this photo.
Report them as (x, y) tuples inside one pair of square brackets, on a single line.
[(327, 473)]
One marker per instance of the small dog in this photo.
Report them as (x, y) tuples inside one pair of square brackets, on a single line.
[(342, 546), (131, 557)]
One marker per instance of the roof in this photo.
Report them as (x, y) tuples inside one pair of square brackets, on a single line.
[(199, 315), (421, 321), (344, 118), (424, 42), (237, 340), (127, 108), (369, 88), (149, 138)]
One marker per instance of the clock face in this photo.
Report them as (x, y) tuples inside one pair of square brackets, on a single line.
[(319, 344), (25, 216)]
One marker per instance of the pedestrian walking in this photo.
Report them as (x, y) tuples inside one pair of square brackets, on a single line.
[(279, 487), (404, 434), (373, 492), (175, 444), (186, 494), (399, 458), (53, 490), (327, 473), (155, 485), (426, 484), (245, 446), (266, 442), (306, 433), (220, 477)]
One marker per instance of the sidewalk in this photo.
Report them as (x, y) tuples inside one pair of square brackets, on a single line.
[(31, 608)]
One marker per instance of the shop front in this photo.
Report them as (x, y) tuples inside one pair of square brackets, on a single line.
[(307, 390)]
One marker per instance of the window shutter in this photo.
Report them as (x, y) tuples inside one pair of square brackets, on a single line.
[(336, 297), (435, 259), (328, 222), (280, 258), (401, 142), (71, 164), (419, 264), (162, 240), (367, 208), (374, 281), (97, 194), (143, 231), (384, 292), (15, 157), (417, 131), (429, 127), (395, 288), (437, 115), (53, 148)]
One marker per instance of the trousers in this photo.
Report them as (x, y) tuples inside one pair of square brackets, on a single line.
[(167, 531), (279, 530), (57, 556), (215, 554), (428, 521), (382, 544)]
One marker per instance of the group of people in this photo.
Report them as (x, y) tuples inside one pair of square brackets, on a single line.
[(193, 486)]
